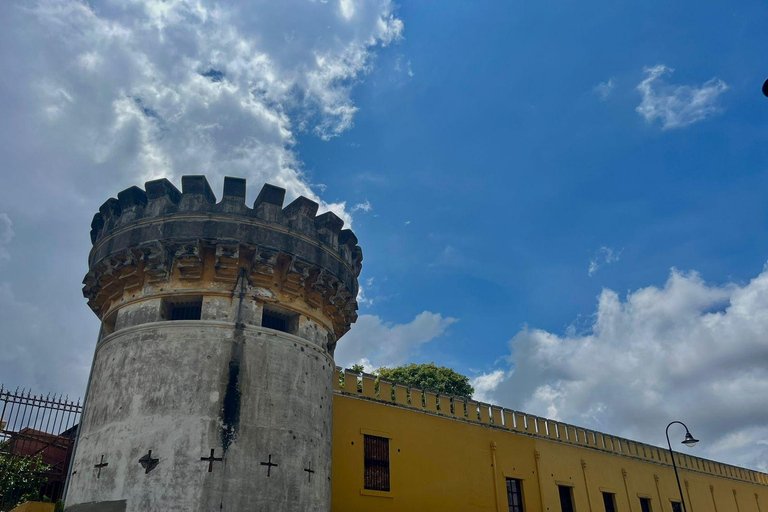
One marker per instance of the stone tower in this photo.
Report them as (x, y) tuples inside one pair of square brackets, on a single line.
[(211, 387)]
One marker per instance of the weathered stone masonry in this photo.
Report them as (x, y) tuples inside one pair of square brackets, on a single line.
[(235, 414)]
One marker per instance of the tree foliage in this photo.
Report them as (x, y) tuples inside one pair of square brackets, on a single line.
[(429, 376), (21, 478)]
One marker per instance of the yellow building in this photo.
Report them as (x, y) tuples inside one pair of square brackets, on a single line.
[(426, 452)]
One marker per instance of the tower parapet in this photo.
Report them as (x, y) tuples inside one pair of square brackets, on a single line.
[(219, 324), (143, 239)]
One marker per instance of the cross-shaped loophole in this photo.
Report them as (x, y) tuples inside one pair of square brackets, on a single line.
[(210, 460), (269, 465), (100, 465)]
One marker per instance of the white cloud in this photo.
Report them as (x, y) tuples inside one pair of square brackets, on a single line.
[(486, 383), (407, 223), (604, 89), (362, 299), (365, 206), (375, 343), (6, 235), (347, 8), (689, 351), (107, 94), (403, 68), (150, 88), (603, 256), (677, 106)]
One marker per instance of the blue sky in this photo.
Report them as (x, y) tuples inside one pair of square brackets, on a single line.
[(514, 172), (562, 200)]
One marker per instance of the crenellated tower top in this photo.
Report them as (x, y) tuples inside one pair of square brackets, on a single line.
[(159, 241)]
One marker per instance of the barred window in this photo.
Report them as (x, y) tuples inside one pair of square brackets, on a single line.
[(515, 495), (280, 320), (376, 463), (274, 321), (183, 308)]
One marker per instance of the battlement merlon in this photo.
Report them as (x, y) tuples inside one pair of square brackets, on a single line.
[(157, 234)]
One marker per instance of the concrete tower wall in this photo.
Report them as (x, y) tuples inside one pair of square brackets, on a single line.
[(237, 415)]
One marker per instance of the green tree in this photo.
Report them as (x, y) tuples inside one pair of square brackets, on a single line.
[(429, 376), (21, 478)]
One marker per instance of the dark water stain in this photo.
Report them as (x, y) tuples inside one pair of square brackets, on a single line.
[(230, 413)]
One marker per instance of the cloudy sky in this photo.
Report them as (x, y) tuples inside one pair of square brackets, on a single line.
[(564, 201)]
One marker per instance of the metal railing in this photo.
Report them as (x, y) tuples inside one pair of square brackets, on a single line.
[(43, 427)]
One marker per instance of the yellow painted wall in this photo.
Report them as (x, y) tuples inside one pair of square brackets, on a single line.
[(34, 506), (442, 463)]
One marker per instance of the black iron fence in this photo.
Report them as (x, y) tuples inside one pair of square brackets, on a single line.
[(37, 435)]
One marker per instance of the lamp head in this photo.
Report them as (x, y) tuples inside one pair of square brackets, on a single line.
[(689, 440), (765, 88)]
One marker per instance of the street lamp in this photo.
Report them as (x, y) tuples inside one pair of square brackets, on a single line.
[(689, 440), (765, 87)]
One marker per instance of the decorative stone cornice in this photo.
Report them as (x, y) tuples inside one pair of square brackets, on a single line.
[(160, 263)]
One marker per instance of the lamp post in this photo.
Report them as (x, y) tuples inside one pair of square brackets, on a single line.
[(689, 441)]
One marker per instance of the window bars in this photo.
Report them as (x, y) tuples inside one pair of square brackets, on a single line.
[(186, 310), (376, 463)]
